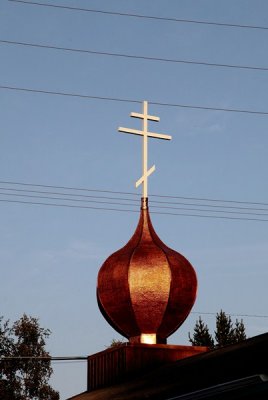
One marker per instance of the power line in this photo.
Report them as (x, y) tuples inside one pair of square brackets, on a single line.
[(109, 202), (66, 187), (122, 100), (210, 211), (151, 17), (131, 56), (68, 361), (82, 189), (210, 205), (44, 358), (231, 315), (66, 205), (133, 211), (82, 96), (58, 193), (209, 199), (74, 194), (71, 199)]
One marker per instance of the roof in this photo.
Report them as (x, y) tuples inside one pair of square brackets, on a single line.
[(230, 372)]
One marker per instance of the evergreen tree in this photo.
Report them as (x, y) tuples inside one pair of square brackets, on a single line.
[(239, 331), (21, 377), (224, 334), (201, 335)]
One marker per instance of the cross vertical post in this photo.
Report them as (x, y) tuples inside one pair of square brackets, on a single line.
[(145, 149), (145, 133)]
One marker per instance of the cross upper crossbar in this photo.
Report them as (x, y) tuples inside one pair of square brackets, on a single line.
[(141, 116)]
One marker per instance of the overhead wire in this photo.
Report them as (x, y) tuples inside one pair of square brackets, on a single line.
[(10, 190), (105, 203), (83, 189), (65, 187), (122, 100), (45, 358), (107, 200), (105, 98), (143, 16), (132, 56), (134, 211), (231, 314), (94, 190), (65, 205), (69, 194), (126, 210), (67, 199)]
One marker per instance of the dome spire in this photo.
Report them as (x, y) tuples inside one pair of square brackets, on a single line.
[(145, 133)]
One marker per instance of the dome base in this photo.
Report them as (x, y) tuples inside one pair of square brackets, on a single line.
[(148, 338)]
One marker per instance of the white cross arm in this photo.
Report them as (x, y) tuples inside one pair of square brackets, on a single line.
[(141, 180), (149, 134), (141, 116)]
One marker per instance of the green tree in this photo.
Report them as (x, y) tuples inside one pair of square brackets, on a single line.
[(26, 369), (225, 333), (201, 335)]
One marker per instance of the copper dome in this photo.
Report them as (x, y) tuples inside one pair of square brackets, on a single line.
[(146, 288)]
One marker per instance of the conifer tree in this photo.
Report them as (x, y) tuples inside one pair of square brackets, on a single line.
[(224, 334), (201, 335), (239, 331)]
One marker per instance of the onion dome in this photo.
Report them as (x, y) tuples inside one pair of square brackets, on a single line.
[(146, 290)]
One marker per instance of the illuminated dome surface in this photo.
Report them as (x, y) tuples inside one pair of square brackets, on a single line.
[(146, 290)]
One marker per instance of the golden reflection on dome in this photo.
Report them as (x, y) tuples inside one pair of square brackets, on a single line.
[(149, 280)]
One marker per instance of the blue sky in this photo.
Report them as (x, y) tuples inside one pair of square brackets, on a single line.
[(50, 256)]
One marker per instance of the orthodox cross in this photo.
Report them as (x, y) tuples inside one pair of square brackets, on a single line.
[(145, 133)]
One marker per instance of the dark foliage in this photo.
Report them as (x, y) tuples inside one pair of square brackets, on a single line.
[(117, 343), (226, 332), (201, 335), (26, 367)]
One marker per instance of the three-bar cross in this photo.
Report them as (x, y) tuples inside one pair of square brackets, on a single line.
[(145, 133)]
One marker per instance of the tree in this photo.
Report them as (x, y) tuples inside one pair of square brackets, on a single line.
[(117, 343), (201, 335), (225, 333), (26, 369), (240, 331), (7, 382)]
